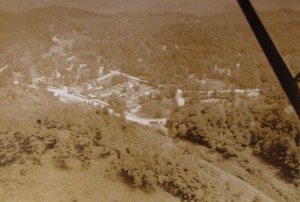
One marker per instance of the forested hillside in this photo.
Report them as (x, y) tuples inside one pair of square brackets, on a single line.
[(38, 132), (231, 129), (157, 46)]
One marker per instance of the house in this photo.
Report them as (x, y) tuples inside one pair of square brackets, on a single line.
[(179, 99), (36, 80), (130, 85), (57, 74), (55, 39), (253, 93), (101, 70), (81, 66), (135, 109), (202, 82), (71, 59), (222, 70), (91, 96), (3, 68)]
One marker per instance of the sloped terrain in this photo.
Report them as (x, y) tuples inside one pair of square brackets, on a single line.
[(53, 151), (214, 148)]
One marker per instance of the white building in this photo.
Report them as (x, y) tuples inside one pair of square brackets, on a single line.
[(3, 68), (222, 70), (179, 98), (71, 59), (101, 70)]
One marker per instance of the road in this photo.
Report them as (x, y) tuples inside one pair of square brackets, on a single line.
[(250, 192), (251, 93), (144, 121), (112, 73)]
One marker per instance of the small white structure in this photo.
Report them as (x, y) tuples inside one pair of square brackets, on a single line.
[(36, 80), (65, 88), (222, 70), (136, 109), (130, 85), (90, 86), (179, 98), (71, 59), (70, 68), (202, 82), (92, 96), (55, 39), (239, 91), (253, 93), (57, 74), (164, 48), (3, 68), (101, 69), (82, 66), (228, 72)]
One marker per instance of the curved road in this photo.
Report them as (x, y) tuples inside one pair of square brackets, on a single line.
[(250, 190)]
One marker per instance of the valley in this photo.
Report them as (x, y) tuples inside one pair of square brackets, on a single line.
[(143, 106)]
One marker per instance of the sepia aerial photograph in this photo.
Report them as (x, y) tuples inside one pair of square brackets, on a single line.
[(149, 100)]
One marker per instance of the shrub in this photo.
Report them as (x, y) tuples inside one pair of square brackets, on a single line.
[(9, 150)]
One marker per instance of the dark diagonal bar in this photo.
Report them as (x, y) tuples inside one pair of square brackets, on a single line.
[(281, 70)]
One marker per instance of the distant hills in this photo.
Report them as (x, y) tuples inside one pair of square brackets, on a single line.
[(125, 39), (115, 6)]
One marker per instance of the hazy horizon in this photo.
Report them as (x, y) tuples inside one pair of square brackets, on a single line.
[(116, 6)]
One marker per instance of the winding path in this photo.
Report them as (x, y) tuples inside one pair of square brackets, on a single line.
[(250, 190)]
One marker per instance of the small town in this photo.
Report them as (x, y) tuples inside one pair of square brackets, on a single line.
[(131, 91)]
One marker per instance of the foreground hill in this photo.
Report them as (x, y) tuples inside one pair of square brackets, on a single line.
[(89, 154)]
